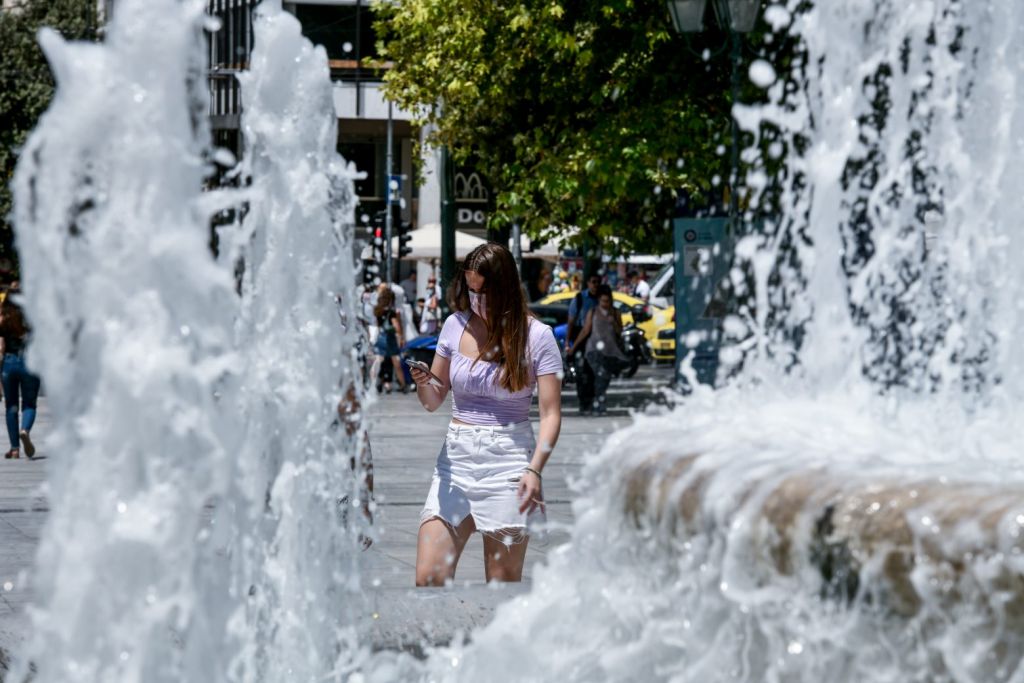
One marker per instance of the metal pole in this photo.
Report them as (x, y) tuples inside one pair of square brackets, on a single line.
[(359, 58), (388, 227), (517, 247), (447, 218), (734, 172)]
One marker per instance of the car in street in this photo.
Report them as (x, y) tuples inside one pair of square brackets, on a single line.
[(663, 343), (648, 318), (658, 324)]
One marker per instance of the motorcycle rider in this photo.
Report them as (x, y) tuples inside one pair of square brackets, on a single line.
[(601, 333)]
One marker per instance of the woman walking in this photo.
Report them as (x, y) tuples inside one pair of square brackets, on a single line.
[(601, 333), (19, 384), (491, 354), (389, 338)]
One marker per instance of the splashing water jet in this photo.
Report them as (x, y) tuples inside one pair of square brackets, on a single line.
[(197, 530), (851, 515)]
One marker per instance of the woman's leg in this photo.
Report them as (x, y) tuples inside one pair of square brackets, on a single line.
[(375, 369), (438, 549), (396, 363), (9, 378), (602, 377), (504, 555), (29, 396)]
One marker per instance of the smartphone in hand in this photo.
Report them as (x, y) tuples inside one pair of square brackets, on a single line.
[(420, 365)]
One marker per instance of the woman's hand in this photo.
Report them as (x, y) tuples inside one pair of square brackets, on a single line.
[(531, 495), (422, 379)]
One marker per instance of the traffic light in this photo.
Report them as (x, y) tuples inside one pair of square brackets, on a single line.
[(373, 256), (404, 237), (378, 244)]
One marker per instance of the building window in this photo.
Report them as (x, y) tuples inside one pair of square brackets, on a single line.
[(334, 27)]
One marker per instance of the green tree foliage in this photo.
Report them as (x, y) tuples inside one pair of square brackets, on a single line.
[(26, 84), (588, 113)]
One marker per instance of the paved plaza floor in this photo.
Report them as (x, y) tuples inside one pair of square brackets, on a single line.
[(406, 440)]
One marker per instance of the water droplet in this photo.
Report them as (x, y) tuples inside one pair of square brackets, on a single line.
[(795, 647), (185, 331), (8, 586), (122, 507), (761, 73)]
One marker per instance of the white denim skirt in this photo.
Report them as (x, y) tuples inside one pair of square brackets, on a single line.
[(477, 474)]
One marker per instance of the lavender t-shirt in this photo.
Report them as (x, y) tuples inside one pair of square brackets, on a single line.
[(477, 396)]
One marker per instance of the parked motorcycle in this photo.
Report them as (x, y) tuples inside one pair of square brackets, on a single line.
[(634, 344)]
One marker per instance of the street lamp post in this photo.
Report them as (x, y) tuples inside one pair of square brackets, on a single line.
[(735, 17), (700, 244)]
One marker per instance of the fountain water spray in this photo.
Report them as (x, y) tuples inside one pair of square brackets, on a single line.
[(201, 471), (195, 533), (849, 507)]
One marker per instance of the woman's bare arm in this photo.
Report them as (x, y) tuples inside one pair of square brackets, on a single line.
[(431, 397), (582, 336), (549, 400)]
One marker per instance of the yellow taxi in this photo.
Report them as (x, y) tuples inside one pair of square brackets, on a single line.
[(663, 342), (657, 320)]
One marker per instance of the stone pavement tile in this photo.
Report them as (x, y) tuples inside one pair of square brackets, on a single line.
[(28, 524), (405, 440)]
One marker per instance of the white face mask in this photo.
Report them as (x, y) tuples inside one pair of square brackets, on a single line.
[(478, 304)]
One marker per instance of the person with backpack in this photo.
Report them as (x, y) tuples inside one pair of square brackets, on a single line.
[(581, 305)]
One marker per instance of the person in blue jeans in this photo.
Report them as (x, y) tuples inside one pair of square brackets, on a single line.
[(21, 387)]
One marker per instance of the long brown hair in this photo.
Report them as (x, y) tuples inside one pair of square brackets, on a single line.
[(385, 301), (12, 319), (508, 318)]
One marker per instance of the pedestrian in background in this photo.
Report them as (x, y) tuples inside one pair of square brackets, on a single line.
[(389, 337), (601, 335), (641, 290), (430, 321), (491, 354), (580, 306), (21, 387), (539, 286)]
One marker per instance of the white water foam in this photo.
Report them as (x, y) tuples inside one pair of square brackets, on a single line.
[(124, 561), (889, 293), (201, 526)]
